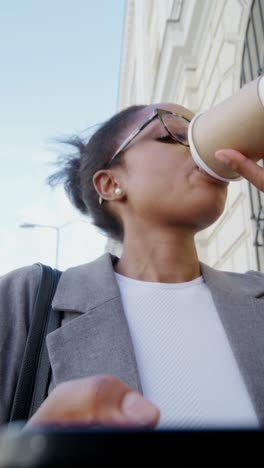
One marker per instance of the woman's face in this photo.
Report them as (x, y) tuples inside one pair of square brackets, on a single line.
[(163, 184)]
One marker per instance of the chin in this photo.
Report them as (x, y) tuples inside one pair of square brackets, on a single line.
[(211, 207), (210, 217), (205, 214)]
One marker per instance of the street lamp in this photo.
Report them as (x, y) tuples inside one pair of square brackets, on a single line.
[(51, 226)]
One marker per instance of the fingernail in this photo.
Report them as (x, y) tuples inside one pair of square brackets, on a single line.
[(222, 157), (137, 409)]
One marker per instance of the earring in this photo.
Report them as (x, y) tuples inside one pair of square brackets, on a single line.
[(118, 191)]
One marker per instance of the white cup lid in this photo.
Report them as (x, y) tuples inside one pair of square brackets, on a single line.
[(198, 160)]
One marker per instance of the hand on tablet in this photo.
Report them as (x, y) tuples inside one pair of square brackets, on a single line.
[(98, 400)]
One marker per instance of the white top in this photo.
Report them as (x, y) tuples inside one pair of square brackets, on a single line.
[(186, 364)]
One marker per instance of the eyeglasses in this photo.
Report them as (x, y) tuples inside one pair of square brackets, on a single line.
[(176, 126)]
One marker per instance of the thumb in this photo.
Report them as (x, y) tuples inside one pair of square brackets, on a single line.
[(98, 399), (244, 166)]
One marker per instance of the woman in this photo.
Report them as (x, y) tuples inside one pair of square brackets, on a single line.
[(154, 337)]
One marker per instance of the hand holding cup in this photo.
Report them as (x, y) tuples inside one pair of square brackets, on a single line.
[(244, 166), (236, 124)]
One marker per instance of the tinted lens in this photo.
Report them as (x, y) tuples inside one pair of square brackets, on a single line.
[(177, 127)]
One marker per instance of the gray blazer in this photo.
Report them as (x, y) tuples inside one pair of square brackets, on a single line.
[(94, 336)]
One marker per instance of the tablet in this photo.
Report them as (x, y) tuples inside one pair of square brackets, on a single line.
[(82, 446)]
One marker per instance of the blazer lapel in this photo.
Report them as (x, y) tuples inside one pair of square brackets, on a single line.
[(94, 337), (240, 304)]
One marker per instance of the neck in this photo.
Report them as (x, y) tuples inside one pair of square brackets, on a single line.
[(160, 256)]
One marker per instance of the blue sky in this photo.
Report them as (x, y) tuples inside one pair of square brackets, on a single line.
[(60, 63)]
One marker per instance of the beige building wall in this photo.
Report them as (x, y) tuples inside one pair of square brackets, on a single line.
[(189, 52)]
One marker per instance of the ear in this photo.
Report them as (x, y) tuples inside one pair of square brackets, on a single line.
[(105, 183)]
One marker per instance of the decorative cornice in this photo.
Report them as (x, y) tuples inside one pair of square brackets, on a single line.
[(179, 49)]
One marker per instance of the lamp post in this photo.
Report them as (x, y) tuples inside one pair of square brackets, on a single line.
[(55, 228)]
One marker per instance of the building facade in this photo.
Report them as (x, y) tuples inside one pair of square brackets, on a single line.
[(197, 53)]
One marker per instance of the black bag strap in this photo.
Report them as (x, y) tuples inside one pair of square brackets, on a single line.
[(35, 370)]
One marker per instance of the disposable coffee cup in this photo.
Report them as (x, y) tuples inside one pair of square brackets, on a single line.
[(235, 123)]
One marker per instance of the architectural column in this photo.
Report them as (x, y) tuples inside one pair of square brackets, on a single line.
[(142, 56)]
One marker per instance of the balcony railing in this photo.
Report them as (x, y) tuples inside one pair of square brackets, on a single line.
[(252, 67)]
